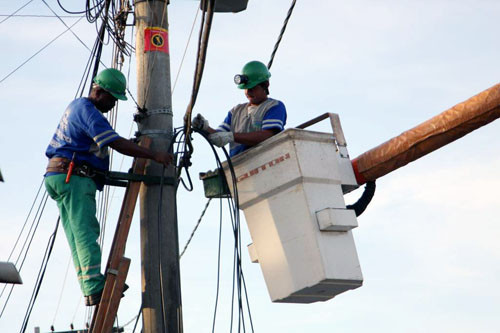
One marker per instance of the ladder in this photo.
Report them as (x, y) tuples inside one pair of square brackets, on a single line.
[(118, 265)]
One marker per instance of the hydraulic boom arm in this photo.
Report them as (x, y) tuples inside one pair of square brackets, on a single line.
[(432, 134)]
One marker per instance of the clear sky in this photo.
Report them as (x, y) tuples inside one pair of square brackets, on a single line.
[(428, 243)]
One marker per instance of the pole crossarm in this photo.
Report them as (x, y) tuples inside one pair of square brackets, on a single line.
[(116, 178)]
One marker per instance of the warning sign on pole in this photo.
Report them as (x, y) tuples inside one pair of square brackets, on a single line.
[(155, 39)]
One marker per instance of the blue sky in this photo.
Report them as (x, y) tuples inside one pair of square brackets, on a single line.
[(427, 244)]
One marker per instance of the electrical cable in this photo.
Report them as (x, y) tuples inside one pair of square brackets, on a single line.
[(160, 270), (131, 320), (71, 12), (62, 291), (17, 241), (185, 51), (237, 234), (9, 16), (218, 268), (76, 311), (41, 274), (285, 23), (41, 16), (100, 38), (195, 228), (200, 64), (30, 235), (34, 225), (365, 199), (43, 48), (137, 318), (238, 276), (25, 221), (62, 21)]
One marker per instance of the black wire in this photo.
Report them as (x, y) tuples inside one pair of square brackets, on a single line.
[(100, 43), (238, 276), (39, 213), (41, 274), (281, 34), (218, 267), (238, 238), (365, 199), (160, 201), (137, 319), (68, 11), (94, 54), (86, 71)]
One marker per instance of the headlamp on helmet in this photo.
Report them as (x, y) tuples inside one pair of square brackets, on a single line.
[(240, 79)]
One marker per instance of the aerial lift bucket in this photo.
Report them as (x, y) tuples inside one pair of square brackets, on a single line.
[(291, 189)]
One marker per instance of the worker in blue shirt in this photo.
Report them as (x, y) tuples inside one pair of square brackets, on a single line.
[(249, 123), (83, 137)]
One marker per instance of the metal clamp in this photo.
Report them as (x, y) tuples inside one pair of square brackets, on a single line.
[(139, 116), (112, 271), (154, 132), (121, 179)]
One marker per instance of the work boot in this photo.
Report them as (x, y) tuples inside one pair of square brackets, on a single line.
[(94, 299)]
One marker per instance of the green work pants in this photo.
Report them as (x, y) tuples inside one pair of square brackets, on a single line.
[(77, 207)]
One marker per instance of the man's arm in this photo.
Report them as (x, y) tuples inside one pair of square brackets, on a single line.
[(127, 147), (210, 130), (253, 138)]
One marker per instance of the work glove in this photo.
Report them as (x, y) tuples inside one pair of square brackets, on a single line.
[(220, 139), (200, 123)]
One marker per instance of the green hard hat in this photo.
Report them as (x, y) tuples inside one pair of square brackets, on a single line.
[(113, 81), (251, 75)]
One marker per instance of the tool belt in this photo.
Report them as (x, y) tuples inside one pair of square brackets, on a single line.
[(61, 165)]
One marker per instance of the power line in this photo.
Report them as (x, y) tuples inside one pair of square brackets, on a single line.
[(195, 228), (281, 34), (185, 50), (41, 274), (43, 48), (43, 16), (9, 16), (60, 19)]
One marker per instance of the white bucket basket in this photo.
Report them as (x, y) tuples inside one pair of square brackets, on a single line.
[(291, 191)]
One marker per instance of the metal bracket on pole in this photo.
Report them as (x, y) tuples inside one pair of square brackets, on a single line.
[(121, 179), (139, 116), (139, 1), (154, 133)]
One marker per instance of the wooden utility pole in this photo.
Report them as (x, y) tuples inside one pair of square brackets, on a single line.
[(161, 291)]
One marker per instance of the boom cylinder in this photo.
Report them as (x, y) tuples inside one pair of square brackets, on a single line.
[(431, 135)]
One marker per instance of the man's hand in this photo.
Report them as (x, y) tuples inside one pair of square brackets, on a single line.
[(200, 123), (220, 139), (163, 158)]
